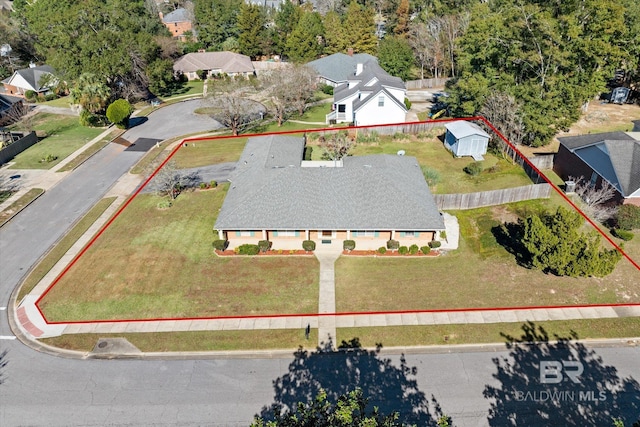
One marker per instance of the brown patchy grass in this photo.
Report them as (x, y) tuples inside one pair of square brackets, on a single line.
[(396, 336), (160, 263), (481, 273), (196, 341), (63, 245)]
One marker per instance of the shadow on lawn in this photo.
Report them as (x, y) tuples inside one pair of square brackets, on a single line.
[(586, 393), (387, 386)]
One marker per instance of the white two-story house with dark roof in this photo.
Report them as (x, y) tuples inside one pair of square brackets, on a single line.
[(275, 195), (370, 97)]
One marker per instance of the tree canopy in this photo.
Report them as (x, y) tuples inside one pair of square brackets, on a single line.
[(112, 39), (551, 56)]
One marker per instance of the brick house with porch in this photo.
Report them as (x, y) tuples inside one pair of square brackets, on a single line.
[(274, 195)]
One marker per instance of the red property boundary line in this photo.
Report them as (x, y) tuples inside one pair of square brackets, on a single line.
[(472, 309)]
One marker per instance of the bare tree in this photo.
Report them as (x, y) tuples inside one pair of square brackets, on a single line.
[(231, 104), (503, 112), (335, 146), (168, 181), (454, 26), (597, 199), (289, 89), (426, 41)]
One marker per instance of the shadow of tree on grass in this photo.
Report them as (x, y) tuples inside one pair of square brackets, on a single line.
[(388, 387), (541, 384)]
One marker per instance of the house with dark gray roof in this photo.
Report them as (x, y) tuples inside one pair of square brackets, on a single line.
[(11, 109), (613, 157), (336, 69), (32, 78), (369, 97), (178, 22), (275, 195)]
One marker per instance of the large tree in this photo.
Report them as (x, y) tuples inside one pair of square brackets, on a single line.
[(360, 29), (306, 41), (551, 56), (289, 89), (216, 21), (286, 20), (252, 29), (112, 39), (395, 56)]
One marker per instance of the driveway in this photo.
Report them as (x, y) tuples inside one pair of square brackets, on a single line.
[(172, 121)]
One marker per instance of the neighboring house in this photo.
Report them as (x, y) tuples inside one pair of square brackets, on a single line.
[(612, 156), (370, 97), (274, 195), (29, 79), (336, 69), (230, 63), (178, 22), (464, 138), (11, 109)]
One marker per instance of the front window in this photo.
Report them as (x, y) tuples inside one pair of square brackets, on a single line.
[(364, 233), (342, 108), (286, 233)]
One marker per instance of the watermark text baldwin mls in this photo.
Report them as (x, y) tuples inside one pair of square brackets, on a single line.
[(557, 372)]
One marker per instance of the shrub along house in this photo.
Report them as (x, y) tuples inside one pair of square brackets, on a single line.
[(466, 139), (274, 195), (611, 156)]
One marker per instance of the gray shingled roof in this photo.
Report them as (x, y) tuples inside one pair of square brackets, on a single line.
[(179, 15), (34, 74), (269, 190), (373, 71), (573, 142), (339, 67), (374, 91), (462, 128)]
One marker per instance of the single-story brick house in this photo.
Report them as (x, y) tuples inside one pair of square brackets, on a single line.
[(466, 139), (611, 156), (230, 63), (274, 195)]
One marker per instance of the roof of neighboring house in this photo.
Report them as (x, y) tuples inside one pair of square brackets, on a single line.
[(270, 190), (179, 15), (7, 101), (372, 72), (226, 62), (373, 80), (462, 129), (375, 91), (32, 76), (339, 67), (573, 142)]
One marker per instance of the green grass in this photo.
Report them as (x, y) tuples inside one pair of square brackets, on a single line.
[(481, 273), (160, 263), (19, 204), (203, 153), (189, 88), (86, 154), (400, 336), (61, 248), (62, 102), (197, 341), (64, 136), (317, 113)]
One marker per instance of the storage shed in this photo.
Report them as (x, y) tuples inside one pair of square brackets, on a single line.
[(466, 139)]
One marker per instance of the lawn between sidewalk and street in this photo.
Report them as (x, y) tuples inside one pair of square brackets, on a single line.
[(158, 262)]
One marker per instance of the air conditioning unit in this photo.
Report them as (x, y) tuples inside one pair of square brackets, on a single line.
[(569, 187)]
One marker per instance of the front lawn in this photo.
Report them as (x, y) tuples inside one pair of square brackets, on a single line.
[(156, 262), (209, 152), (481, 273), (64, 136)]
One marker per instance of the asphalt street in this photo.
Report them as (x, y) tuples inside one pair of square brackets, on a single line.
[(473, 387)]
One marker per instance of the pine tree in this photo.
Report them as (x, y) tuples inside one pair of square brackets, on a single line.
[(306, 41), (251, 29), (360, 29)]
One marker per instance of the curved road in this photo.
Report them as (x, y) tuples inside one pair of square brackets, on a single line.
[(43, 390)]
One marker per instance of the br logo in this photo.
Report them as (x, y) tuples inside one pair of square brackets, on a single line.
[(554, 371)]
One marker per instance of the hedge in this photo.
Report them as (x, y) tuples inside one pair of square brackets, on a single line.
[(403, 250), (349, 245), (248, 249), (622, 234), (425, 249), (434, 244), (264, 245), (393, 244)]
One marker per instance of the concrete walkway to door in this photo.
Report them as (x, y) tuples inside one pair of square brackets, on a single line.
[(327, 256)]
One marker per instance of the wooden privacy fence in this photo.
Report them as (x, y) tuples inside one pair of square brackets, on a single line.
[(542, 161), (492, 198), (425, 83)]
